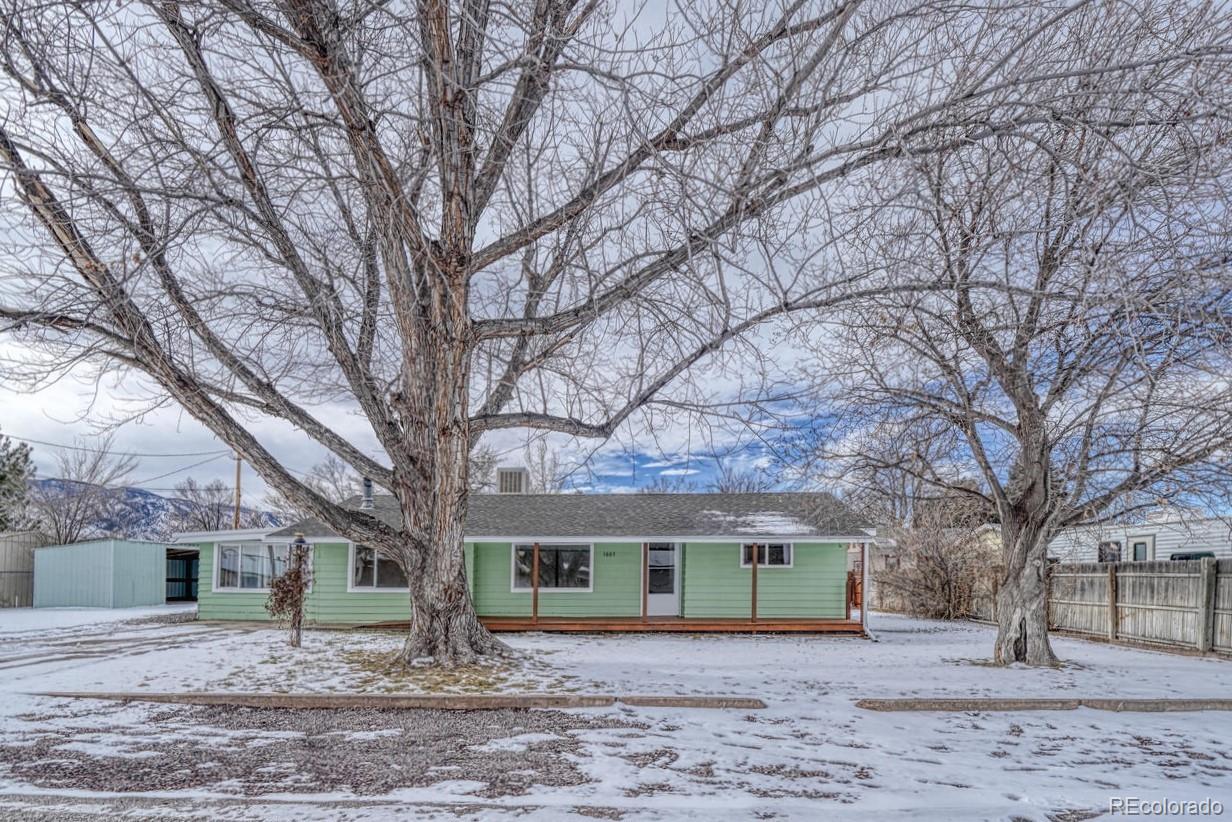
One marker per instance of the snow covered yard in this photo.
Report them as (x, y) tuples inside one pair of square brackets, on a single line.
[(811, 752)]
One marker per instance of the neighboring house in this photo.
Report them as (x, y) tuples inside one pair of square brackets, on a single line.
[(1162, 535), (623, 562)]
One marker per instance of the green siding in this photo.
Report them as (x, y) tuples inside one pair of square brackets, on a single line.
[(616, 579), (716, 586), (332, 603), (328, 602), (490, 580), (713, 585), (214, 605)]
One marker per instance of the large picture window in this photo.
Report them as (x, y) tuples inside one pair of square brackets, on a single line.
[(769, 554), (250, 566), (373, 570), (561, 567)]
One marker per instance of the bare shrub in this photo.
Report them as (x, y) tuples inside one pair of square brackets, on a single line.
[(289, 589), (936, 563)]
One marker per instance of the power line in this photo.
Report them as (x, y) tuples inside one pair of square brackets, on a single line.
[(138, 483), (118, 451)]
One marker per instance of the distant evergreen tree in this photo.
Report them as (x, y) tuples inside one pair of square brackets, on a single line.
[(16, 471)]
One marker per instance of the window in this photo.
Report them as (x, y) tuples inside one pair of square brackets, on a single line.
[(561, 567), (371, 569), (1140, 550), (1110, 551), (250, 566), (769, 554)]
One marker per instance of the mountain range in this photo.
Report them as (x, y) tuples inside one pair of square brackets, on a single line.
[(140, 514)]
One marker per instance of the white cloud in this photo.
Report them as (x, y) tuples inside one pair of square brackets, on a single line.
[(679, 472)]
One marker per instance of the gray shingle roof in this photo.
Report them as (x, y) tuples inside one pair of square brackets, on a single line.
[(638, 515)]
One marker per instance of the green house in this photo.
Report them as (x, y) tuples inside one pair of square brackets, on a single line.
[(687, 562)]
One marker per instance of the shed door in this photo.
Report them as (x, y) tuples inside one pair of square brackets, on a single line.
[(663, 579)]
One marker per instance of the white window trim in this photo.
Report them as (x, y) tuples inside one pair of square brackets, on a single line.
[(218, 546), (791, 549), (1149, 539), (678, 576), (513, 568), (352, 588)]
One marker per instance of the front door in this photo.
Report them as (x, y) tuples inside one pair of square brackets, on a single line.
[(662, 579)]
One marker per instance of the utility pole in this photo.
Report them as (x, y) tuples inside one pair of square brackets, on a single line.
[(236, 520)]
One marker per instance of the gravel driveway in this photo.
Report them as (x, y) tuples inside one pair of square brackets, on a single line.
[(261, 751)]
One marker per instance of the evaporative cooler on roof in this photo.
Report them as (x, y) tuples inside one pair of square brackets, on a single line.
[(511, 480)]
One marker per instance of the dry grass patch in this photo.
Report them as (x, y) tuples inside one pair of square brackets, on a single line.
[(383, 671)]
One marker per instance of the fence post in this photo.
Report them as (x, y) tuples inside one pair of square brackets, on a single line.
[(996, 591), (1113, 615), (851, 575), (1206, 604)]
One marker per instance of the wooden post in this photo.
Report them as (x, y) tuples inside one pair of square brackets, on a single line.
[(864, 587), (645, 580), (753, 593), (534, 584), (1206, 603), (1113, 615), (235, 520), (851, 581)]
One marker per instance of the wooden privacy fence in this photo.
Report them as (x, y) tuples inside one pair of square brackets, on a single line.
[(855, 592), (1183, 604)]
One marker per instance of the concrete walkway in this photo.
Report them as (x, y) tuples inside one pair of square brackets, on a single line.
[(995, 704), (447, 702)]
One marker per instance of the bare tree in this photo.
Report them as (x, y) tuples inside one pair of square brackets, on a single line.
[(481, 476), (931, 565), (211, 507), (732, 478), (543, 465), (673, 484), (334, 479), (90, 479), (1073, 356), (331, 479), (459, 219)]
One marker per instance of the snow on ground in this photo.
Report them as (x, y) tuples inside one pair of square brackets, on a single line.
[(810, 753), (23, 620)]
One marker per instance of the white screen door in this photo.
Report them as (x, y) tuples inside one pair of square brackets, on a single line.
[(662, 579)]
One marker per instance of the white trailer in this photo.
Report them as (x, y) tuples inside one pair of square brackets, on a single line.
[(1160, 537)]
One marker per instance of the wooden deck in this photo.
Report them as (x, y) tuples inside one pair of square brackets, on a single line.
[(674, 625)]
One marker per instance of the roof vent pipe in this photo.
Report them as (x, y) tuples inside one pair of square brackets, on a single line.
[(366, 504)]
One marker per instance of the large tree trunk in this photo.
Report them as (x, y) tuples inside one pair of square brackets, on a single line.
[(444, 626), (1022, 600), (433, 491)]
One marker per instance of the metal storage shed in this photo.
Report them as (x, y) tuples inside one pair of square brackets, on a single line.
[(17, 567), (108, 573)]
